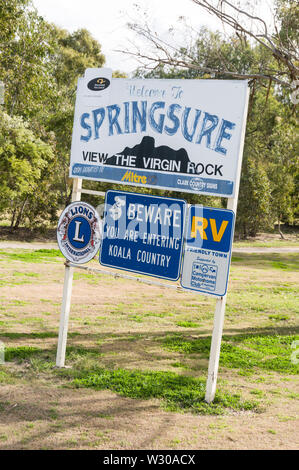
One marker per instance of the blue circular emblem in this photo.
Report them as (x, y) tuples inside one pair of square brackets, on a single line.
[(79, 232)]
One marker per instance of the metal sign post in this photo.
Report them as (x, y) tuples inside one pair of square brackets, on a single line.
[(67, 292), (232, 204)]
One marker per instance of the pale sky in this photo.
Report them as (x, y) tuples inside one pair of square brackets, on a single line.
[(107, 21)]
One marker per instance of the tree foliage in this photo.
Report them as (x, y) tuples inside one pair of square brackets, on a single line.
[(269, 178), (39, 64), (239, 16), (26, 164)]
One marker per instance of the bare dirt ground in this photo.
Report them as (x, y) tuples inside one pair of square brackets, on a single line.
[(44, 417), (126, 321)]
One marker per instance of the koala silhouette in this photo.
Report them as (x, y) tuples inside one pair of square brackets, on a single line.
[(116, 210)]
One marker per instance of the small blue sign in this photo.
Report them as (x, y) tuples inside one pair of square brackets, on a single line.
[(210, 228), (143, 234), (207, 250), (79, 232)]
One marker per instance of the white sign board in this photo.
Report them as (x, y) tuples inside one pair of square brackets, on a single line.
[(183, 135)]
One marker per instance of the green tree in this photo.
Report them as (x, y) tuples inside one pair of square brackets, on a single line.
[(24, 64), (283, 167), (254, 204), (25, 164), (40, 64), (270, 168), (278, 42), (10, 13), (72, 55)]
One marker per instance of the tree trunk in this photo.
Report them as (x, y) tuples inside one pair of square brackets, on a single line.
[(20, 215), (280, 232), (244, 231), (13, 219)]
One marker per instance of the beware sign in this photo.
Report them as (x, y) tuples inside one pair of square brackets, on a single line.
[(143, 234), (208, 250), (183, 135)]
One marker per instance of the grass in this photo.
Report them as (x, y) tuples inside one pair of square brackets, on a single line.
[(20, 352), (5, 378), (41, 335), (90, 278), (131, 340), (271, 353), (187, 324), (24, 274), (32, 256), (178, 393)]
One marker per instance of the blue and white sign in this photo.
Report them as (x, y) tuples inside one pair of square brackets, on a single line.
[(78, 232), (143, 234), (207, 250), (183, 135)]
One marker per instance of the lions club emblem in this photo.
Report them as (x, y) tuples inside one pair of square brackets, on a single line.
[(79, 232)]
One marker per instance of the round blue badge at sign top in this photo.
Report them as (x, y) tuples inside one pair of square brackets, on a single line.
[(79, 232)]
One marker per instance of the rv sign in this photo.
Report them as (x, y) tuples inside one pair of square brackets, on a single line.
[(207, 250)]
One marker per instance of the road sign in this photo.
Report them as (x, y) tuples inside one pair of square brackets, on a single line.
[(183, 135), (207, 250), (78, 232), (143, 234)]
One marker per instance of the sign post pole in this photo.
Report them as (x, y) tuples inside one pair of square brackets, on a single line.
[(218, 325), (67, 292), (215, 349), (218, 322), (232, 204)]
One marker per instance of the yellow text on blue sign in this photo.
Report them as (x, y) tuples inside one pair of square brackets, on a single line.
[(200, 224), (210, 228)]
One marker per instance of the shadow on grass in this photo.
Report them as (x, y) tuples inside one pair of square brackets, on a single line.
[(262, 349), (131, 337), (115, 414), (41, 335), (177, 392)]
